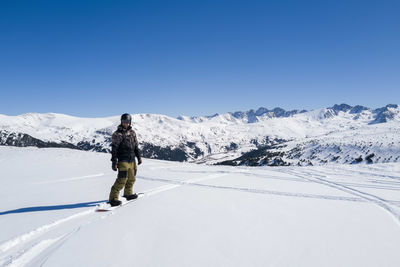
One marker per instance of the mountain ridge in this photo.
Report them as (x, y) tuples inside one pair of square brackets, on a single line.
[(208, 139)]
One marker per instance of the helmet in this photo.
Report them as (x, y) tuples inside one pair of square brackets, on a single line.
[(126, 118)]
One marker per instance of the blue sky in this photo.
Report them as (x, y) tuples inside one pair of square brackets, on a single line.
[(102, 58)]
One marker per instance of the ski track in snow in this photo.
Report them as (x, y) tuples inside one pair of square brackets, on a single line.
[(386, 205), (41, 250), (46, 252), (385, 187), (6, 249), (175, 183), (72, 179), (44, 228), (28, 256), (30, 249)]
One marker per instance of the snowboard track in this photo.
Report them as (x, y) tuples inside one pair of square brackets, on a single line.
[(31, 249)]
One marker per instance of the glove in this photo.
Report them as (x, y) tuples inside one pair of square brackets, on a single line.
[(139, 161), (114, 166)]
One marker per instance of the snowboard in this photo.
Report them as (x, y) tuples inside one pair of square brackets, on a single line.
[(107, 207)]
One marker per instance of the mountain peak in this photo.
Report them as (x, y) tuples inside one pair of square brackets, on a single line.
[(252, 115), (342, 107), (385, 114)]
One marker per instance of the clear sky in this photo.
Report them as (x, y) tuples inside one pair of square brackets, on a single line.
[(106, 57)]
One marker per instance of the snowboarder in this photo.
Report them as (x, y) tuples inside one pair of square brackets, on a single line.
[(124, 149)]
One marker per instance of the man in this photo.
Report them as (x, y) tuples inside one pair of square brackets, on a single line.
[(124, 149)]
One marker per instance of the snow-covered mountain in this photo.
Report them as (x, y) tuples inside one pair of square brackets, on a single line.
[(250, 116), (342, 134)]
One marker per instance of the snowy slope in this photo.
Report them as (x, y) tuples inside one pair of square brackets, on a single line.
[(195, 215), (209, 139), (374, 143)]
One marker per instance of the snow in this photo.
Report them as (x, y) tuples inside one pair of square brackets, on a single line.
[(211, 135), (195, 215), (382, 140)]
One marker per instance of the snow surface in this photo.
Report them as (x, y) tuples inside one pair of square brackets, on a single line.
[(195, 215)]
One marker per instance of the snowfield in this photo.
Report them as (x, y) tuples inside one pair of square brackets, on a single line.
[(195, 215)]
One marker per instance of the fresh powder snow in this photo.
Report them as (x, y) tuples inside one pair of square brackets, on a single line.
[(195, 215)]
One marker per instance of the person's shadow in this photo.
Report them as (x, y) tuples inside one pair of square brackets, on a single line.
[(57, 207)]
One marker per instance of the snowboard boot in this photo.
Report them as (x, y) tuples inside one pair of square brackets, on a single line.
[(114, 202), (130, 197)]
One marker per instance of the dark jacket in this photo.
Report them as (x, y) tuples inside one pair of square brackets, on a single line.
[(124, 146)]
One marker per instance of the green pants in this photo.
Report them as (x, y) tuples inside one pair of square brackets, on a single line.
[(126, 178)]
